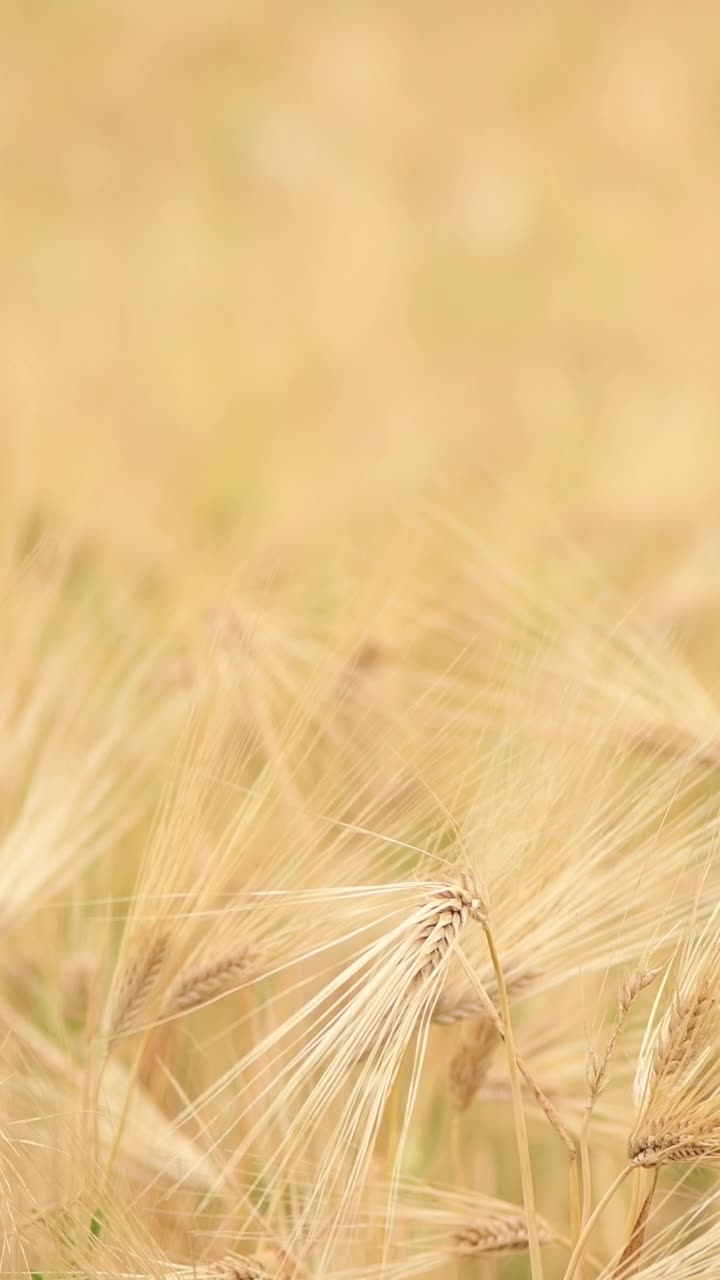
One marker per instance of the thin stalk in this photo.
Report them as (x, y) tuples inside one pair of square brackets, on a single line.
[(575, 1198), (635, 1192), (536, 1268), (585, 1167), (132, 1078), (601, 1205)]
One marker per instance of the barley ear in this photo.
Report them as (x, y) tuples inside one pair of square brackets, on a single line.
[(136, 987), (206, 982)]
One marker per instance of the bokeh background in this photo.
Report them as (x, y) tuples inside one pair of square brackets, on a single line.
[(262, 264)]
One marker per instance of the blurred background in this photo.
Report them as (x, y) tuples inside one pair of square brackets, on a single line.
[(261, 264)]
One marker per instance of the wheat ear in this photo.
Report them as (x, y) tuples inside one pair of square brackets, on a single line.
[(137, 984), (444, 914), (596, 1072), (448, 909), (540, 1097), (471, 1062), (232, 1267), (459, 1001), (496, 1237), (631, 989), (205, 982), (236, 1268), (675, 1041)]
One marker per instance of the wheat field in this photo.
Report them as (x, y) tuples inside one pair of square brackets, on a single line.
[(359, 699)]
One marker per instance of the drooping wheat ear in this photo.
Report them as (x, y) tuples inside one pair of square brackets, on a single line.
[(470, 1064), (136, 987), (435, 928), (496, 1237), (199, 985), (448, 909)]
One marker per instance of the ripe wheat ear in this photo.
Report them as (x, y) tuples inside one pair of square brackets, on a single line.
[(677, 1083), (370, 1010), (136, 986)]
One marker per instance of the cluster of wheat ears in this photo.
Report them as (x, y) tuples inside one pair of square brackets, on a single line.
[(366, 926)]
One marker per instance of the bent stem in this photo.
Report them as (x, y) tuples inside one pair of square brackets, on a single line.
[(528, 1190), (601, 1205)]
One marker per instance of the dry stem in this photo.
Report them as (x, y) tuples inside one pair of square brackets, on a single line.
[(536, 1267)]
